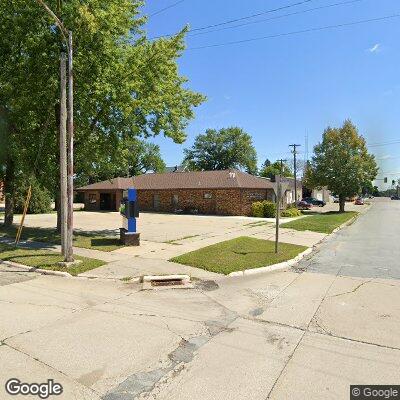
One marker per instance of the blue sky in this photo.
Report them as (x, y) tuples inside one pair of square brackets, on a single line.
[(283, 88)]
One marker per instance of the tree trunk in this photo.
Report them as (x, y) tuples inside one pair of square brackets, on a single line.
[(9, 191), (57, 207), (342, 203)]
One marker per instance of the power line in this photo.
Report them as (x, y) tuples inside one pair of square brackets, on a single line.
[(298, 32), (276, 17), (201, 28), (384, 143), (166, 8)]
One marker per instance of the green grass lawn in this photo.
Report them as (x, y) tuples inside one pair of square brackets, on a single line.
[(324, 223), (238, 254), (45, 259), (81, 239)]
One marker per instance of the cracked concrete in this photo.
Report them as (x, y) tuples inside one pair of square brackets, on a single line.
[(283, 335)]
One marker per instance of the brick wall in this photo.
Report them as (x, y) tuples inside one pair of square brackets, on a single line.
[(92, 201), (216, 201), (213, 202)]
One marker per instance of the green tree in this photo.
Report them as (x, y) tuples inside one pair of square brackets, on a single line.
[(222, 149), (271, 170), (341, 162), (125, 84), (131, 157)]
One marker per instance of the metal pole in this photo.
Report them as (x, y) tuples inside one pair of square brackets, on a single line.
[(278, 197), (278, 205), (70, 154), (295, 169), (63, 154)]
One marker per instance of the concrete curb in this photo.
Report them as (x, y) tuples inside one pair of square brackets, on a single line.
[(25, 268), (274, 267), (293, 261)]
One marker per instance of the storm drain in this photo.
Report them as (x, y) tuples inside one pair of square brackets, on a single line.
[(166, 282)]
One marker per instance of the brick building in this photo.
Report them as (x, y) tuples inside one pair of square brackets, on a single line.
[(227, 192)]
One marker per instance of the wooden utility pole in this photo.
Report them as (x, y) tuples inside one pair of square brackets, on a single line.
[(295, 169), (69, 253), (66, 140), (63, 154), (278, 205)]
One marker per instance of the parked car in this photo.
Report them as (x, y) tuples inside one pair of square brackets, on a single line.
[(303, 205), (315, 202), (359, 201), (395, 197), (336, 199)]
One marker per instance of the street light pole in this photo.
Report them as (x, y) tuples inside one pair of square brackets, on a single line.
[(66, 140), (63, 153), (69, 253)]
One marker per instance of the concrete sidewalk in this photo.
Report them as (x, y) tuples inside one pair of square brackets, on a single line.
[(152, 257), (281, 336)]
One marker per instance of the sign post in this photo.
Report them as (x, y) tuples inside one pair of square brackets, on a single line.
[(129, 211)]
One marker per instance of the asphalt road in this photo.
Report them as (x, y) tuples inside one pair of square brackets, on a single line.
[(369, 248)]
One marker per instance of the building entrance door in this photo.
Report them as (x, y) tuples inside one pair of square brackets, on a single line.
[(107, 201)]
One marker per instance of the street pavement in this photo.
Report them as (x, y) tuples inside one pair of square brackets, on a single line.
[(369, 248), (295, 334)]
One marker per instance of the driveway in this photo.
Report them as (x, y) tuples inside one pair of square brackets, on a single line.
[(369, 248)]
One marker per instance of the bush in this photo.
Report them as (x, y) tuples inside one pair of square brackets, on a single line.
[(40, 201), (269, 209), (263, 209), (291, 212), (257, 209)]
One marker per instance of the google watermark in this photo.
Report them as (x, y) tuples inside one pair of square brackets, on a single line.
[(375, 392), (43, 390)]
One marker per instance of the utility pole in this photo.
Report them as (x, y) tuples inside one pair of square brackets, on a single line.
[(63, 153), (278, 205), (295, 169), (69, 253), (66, 139)]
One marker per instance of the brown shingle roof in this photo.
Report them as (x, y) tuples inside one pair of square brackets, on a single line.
[(225, 179)]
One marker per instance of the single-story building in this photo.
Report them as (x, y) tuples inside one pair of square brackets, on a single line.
[(226, 192)]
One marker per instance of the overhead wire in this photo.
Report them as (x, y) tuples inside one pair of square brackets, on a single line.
[(327, 27), (239, 19), (165, 8), (276, 17)]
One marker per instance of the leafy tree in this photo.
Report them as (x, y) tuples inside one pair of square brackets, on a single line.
[(266, 164), (40, 201), (341, 162), (275, 169), (222, 149), (125, 85), (131, 157)]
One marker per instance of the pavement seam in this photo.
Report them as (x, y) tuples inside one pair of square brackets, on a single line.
[(52, 368), (301, 338)]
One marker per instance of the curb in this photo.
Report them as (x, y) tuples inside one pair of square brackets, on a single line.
[(293, 261), (274, 267), (25, 268)]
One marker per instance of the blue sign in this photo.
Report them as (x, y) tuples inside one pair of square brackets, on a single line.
[(129, 210)]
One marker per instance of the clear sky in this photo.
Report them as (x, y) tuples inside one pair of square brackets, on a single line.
[(280, 89)]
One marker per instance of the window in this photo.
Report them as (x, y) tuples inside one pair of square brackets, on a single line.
[(175, 200), (92, 198), (156, 201), (208, 195)]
